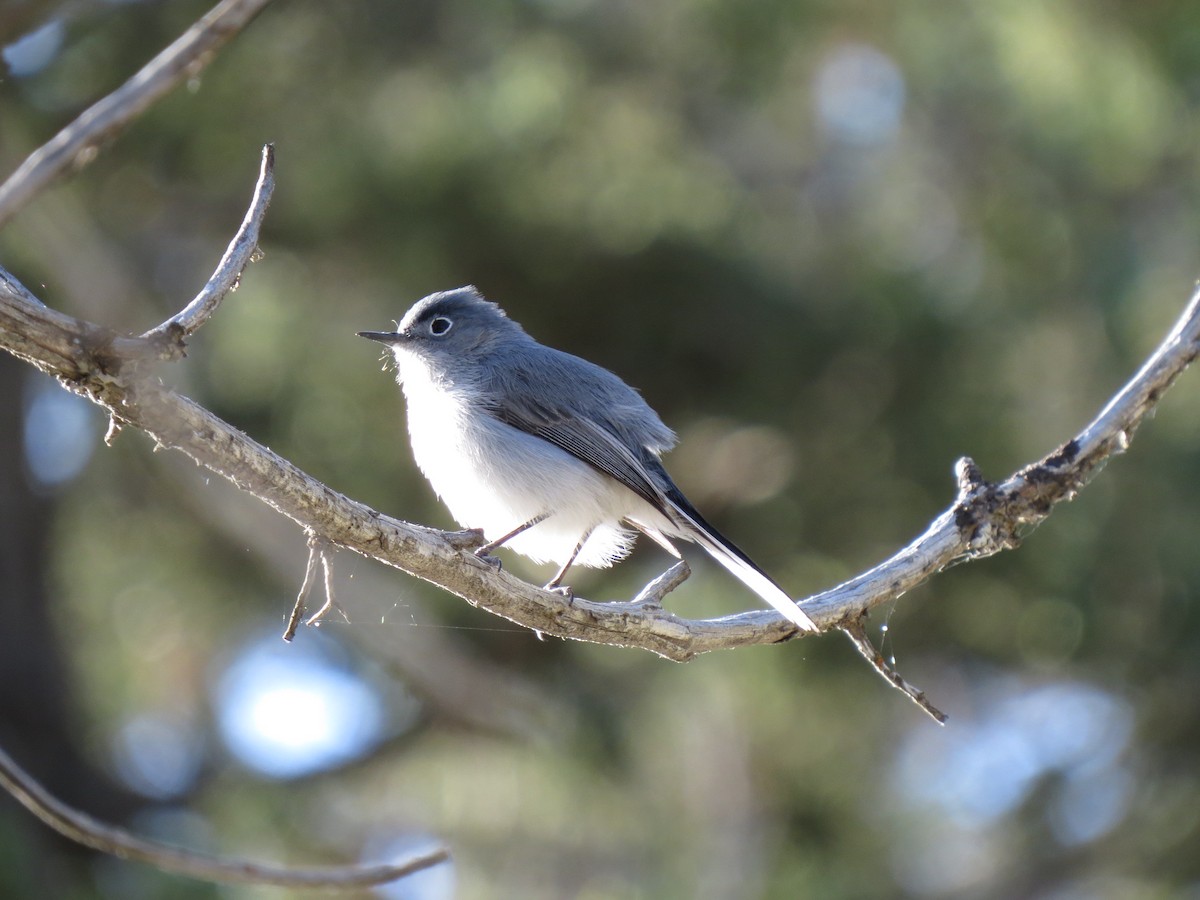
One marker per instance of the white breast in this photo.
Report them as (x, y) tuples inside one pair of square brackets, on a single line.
[(496, 477)]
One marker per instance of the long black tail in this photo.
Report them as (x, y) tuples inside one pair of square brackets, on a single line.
[(741, 566)]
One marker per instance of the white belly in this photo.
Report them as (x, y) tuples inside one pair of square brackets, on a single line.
[(495, 477)]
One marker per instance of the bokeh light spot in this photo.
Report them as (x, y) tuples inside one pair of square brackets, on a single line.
[(32, 52), (290, 710), (860, 95), (60, 433), (157, 755)]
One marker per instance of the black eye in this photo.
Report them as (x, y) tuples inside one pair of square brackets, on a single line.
[(439, 325)]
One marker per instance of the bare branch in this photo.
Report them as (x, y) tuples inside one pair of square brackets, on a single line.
[(242, 249), (318, 552), (327, 572), (83, 829), (310, 577), (653, 593), (984, 519), (167, 340), (988, 518), (77, 144), (858, 637)]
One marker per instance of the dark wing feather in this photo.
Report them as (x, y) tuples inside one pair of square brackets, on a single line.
[(586, 411), (594, 445)]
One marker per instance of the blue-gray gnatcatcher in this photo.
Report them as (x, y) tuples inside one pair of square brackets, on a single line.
[(545, 452)]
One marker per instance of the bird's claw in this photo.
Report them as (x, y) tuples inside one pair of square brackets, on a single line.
[(493, 561), (563, 590)]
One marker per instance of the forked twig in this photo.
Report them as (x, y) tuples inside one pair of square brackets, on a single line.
[(77, 144), (242, 250), (318, 553), (858, 637), (310, 575), (327, 572)]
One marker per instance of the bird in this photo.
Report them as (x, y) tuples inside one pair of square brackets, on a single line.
[(548, 454)]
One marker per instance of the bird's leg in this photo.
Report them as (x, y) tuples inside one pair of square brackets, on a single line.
[(555, 583), (485, 552)]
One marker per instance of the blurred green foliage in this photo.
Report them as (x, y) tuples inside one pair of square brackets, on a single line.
[(837, 246)]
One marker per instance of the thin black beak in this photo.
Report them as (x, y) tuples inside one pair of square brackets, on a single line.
[(384, 337)]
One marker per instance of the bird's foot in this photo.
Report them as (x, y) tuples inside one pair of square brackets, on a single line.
[(493, 561), (563, 590)]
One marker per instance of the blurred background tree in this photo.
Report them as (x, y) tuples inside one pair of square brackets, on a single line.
[(836, 245)]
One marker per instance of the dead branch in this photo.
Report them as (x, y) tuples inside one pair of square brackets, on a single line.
[(77, 144), (984, 519), (85, 830), (169, 337), (318, 554), (858, 637)]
